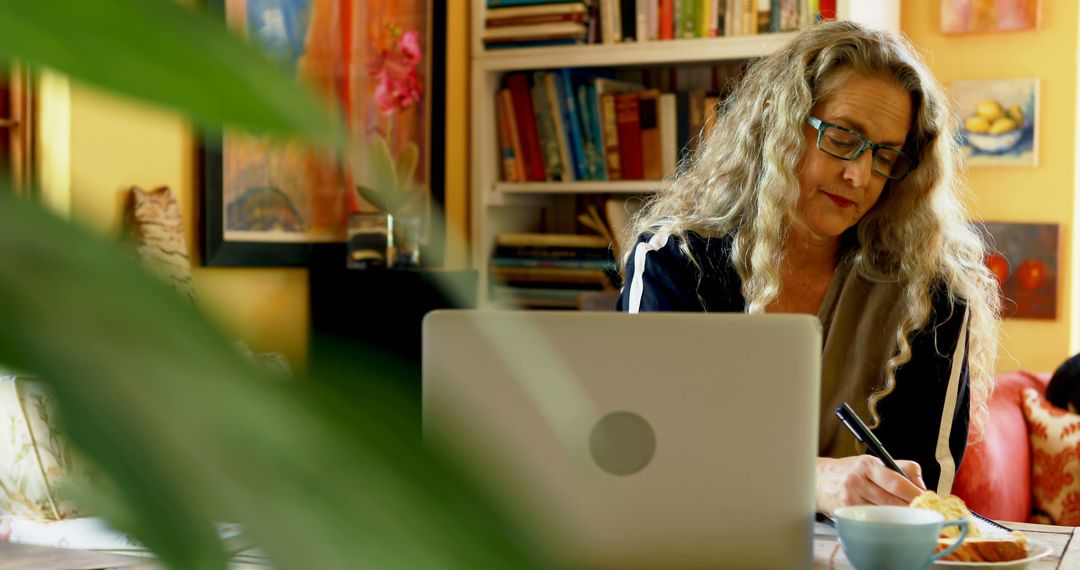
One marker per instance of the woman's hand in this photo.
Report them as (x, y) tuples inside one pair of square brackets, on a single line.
[(865, 480)]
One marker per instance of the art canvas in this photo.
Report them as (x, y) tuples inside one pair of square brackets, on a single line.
[(1024, 260), (1000, 121), (374, 62), (965, 16)]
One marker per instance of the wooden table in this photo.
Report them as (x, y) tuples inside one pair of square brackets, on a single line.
[(1065, 540), (27, 557)]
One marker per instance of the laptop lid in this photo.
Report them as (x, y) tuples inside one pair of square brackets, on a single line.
[(636, 441)]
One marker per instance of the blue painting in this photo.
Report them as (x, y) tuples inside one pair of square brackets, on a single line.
[(1000, 121)]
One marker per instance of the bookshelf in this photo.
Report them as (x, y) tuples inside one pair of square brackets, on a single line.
[(499, 206)]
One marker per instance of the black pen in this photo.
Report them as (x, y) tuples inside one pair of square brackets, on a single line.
[(862, 433), (873, 446)]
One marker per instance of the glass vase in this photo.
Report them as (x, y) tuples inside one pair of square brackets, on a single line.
[(380, 240)]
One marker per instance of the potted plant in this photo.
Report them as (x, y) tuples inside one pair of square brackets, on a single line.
[(390, 237)]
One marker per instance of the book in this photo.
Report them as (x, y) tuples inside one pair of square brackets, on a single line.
[(565, 156), (628, 20), (827, 10), (504, 3), (545, 129), (501, 45), (652, 19), (706, 19), (690, 19), (786, 13), (648, 122), (611, 20), (553, 262), (559, 30), (550, 240), (546, 9), (551, 252), (515, 135), (535, 20), (538, 297), (666, 29), (525, 118), (612, 161), (593, 102), (572, 122), (669, 142), (548, 275), (590, 131), (506, 147), (629, 127), (764, 16)]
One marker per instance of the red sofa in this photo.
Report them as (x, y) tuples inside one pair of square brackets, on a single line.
[(995, 476)]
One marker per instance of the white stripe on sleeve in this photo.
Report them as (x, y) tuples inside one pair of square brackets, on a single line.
[(943, 453), (637, 285)]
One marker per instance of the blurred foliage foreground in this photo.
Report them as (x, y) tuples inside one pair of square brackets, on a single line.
[(184, 431)]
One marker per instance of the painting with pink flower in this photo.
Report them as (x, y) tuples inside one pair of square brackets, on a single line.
[(967, 16), (271, 201)]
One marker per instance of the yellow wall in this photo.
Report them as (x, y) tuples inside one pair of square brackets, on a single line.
[(116, 143), (1044, 194)]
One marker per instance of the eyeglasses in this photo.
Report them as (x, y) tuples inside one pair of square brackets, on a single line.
[(846, 144)]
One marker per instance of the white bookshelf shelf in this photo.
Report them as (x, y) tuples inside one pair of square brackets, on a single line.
[(704, 50), (584, 187)]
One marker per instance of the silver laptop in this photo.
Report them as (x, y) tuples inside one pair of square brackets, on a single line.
[(652, 440)]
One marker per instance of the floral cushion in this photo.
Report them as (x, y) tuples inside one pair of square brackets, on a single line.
[(34, 459), (1055, 461)]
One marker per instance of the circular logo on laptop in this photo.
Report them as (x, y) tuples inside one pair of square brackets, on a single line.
[(622, 443)]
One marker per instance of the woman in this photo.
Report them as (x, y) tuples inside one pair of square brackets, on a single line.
[(830, 186)]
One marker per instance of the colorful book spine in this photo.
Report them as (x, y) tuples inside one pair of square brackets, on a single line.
[(611, 136), (597, 127), (667, 20), (525, 118), (535, 20), (545, 129), (572, 119), (628, 19), (503, 3), (690, 21), (515, 135), (560, 129), (626, 115), (669, 145), (506, 146), (592, 171), (553, 263), (648, 114)]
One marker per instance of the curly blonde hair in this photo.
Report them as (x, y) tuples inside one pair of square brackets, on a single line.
[(742, 182)]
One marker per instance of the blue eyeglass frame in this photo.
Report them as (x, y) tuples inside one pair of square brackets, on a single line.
[(822, 126)]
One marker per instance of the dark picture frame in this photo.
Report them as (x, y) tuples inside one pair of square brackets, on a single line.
[(218, 251)]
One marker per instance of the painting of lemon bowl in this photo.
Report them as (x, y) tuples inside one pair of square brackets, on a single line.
[(999, 121)]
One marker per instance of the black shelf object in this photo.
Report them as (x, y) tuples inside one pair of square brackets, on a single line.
[(370, 322)]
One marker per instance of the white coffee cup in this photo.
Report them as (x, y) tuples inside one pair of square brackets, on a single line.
[(877, 537)]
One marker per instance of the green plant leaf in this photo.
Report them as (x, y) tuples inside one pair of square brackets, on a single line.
[(188, 432), (165, 53), (382, 191), (406, 166)]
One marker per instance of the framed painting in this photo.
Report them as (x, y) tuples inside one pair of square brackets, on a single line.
[(1024, 260), (1000, 121), (380, 63), (967, 16)]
